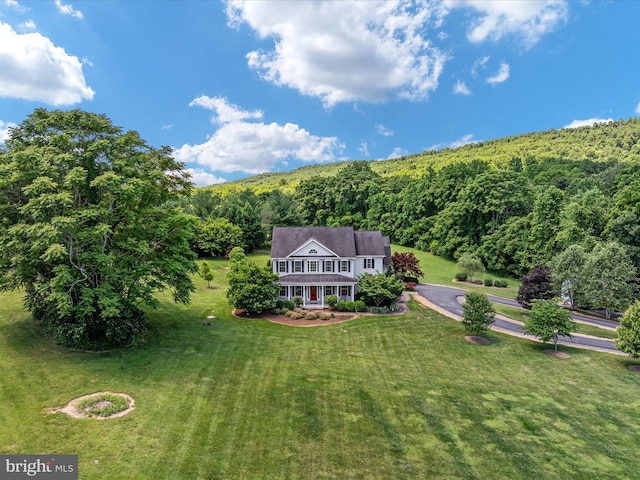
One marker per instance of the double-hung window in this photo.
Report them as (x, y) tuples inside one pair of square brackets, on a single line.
[(369, 263), (312, 266), (297, 266), (282, 267), (328, 266), (345, 266), (345, 291)]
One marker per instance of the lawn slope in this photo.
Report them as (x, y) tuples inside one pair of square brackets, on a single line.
[(400, 397)]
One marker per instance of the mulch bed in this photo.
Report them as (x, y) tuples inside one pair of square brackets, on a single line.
[(339, 317), (284, 320)]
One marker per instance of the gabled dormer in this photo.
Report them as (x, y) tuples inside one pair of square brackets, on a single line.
[(312, 248)]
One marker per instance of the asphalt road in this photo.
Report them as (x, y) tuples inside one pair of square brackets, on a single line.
[(447, 299)]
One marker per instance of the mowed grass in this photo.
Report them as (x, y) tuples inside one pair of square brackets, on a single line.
[(397, 397)]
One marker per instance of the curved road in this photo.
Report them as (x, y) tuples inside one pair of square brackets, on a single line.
[(446, 299)]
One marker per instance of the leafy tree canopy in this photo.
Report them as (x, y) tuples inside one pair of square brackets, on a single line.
[(537, 284), (379, 289), (478, 313), (549, 321), (628, 340), (218, 236), (470, 264), (251, 287), (406, 265), (609, 277), (86, 228)]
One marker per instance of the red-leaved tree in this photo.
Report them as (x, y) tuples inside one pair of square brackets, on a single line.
[(406, 264)]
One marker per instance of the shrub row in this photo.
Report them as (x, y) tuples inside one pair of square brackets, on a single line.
[(488, 282)]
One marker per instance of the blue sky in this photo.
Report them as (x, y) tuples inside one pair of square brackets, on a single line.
[(239, 88)]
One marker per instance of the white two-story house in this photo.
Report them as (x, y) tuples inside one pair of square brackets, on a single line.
[(315, 262)]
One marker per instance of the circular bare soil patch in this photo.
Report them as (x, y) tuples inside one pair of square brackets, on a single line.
[(634, 368), (557, 354), (99, 406), (477, 340)]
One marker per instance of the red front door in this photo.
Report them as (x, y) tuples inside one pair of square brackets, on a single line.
[(313, 294)]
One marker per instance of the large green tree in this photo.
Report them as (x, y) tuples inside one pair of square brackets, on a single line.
[(567, 272), (217, 236), (86, 228), (609, 277), (251, 287)]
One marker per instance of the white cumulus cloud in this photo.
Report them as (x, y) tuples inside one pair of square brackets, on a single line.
[(225, 112), (588, 122), (33, 68), (346, 51), (526, 20), (202, 178), (460, 88), (67, 9), (4, 130), (638, 109), (253, 147), (501, 76)]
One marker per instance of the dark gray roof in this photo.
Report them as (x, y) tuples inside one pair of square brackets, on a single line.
[(286, 240), (369, 243), (343, 241), (314, 278)]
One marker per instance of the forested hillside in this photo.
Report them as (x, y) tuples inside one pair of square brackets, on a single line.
[(513, 202), (604, 142)]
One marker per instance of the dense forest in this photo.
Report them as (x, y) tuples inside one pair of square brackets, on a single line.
[(513, 202)]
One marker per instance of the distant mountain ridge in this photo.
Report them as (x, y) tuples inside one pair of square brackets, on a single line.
[(602, 142)]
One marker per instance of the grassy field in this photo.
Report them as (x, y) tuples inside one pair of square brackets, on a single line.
[(398, 397)]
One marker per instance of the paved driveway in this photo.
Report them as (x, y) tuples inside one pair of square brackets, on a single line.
[(446, 298)]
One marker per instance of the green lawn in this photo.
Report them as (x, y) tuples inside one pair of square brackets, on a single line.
[(399, 397), (442, 272)]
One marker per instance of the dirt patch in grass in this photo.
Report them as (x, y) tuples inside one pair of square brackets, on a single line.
[(634, 368), (477, 340), (557, 354), (73, 407)]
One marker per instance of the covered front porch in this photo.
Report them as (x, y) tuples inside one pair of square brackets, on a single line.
[(314, 295)]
